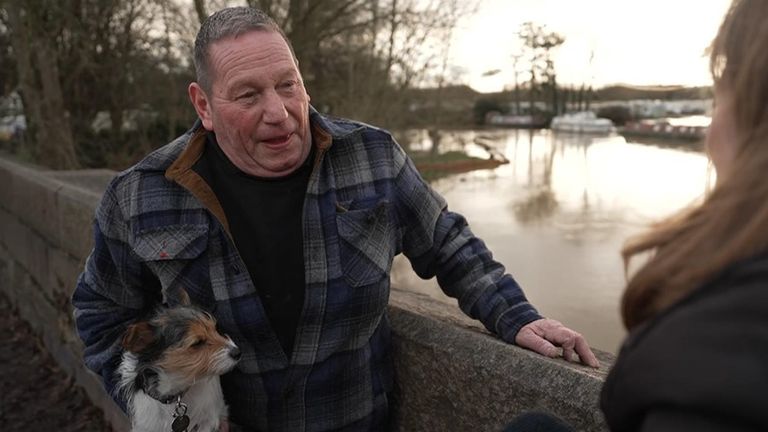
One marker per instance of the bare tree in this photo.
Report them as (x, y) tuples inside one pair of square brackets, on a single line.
[(109, 74), (200, 10), (540, 44), (454, 10), (105, 80), (8, 79), (33, 35)]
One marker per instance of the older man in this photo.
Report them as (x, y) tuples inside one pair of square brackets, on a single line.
[(284, 223)]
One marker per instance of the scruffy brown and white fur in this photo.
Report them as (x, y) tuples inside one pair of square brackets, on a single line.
[(176, 352)]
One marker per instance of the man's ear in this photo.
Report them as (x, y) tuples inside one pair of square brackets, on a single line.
[(138, 337), (202, 104)]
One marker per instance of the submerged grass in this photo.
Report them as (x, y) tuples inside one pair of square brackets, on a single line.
[(435, 166)]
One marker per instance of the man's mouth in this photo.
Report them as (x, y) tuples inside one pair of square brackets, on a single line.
[(278, 140)]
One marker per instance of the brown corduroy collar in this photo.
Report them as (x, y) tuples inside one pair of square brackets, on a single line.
[(181, 171)]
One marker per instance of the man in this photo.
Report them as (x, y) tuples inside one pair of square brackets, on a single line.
[(284, 223)]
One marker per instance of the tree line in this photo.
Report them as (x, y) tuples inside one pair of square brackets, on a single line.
[(104, 81)]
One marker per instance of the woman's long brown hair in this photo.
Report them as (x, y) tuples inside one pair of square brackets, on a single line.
[(731, 223)]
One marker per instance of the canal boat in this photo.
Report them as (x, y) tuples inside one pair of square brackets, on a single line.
[(664, 130), (585, 122), (520, 121)]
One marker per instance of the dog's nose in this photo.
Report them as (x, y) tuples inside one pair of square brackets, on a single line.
[(235, 353)]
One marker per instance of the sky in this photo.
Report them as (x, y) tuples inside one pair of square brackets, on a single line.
[(637, 42)]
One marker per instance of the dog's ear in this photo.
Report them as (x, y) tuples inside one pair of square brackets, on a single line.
[(176, 297), (138, 337), (184, 297)]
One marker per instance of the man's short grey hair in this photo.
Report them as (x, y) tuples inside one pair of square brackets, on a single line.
[(226, 23)]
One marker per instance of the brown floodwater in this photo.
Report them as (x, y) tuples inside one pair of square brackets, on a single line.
[(557, 215)]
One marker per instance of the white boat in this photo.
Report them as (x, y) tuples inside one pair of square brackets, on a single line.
[(515, 121), (582, 122)]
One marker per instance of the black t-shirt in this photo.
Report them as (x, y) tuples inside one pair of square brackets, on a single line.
[(265, 219)]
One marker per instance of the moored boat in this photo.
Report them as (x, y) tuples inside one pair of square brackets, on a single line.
[(582, 122), (521, 121), (663, 129)]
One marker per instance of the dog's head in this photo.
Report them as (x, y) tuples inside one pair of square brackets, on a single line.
[(177, 347)]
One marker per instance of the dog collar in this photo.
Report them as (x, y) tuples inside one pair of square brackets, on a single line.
[(163, 399)]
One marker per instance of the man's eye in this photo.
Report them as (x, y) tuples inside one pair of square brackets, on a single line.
[(246, 95)]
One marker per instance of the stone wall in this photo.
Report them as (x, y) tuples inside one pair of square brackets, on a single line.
[(45, 235), (451, 375)]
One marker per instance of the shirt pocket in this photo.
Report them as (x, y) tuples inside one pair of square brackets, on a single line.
[(365, 240), (168, 252), (174, 242)]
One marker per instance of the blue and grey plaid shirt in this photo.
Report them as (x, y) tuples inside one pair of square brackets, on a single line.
[(159, 228)]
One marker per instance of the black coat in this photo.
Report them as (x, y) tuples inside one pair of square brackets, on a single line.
[(701, 365)]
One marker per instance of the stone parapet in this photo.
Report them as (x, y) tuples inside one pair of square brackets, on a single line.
[(45, 236), (451, 375)]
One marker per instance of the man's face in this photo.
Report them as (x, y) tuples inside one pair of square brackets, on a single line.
[(257, 106)]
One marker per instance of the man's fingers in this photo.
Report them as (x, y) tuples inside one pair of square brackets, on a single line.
[(573, 343), (569, 355), (528, 339), (585, 353), (566, 339), (544, 336)]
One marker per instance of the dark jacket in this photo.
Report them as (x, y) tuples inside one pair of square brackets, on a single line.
[(701, 365)]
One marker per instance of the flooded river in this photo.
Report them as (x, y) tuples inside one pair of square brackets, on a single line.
[(557, 215)]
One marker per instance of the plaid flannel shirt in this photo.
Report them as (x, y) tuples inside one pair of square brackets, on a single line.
[(159, 228)]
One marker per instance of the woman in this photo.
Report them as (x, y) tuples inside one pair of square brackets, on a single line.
[(696, 357)]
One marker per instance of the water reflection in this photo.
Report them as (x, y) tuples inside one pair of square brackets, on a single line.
[(558, 213)]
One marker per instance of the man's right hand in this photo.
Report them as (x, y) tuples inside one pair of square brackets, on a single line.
[(544, 336)]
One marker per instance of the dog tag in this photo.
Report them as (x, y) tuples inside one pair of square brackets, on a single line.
[(180, 423)]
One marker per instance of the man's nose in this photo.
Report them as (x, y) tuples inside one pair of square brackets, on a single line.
[(274, 109)]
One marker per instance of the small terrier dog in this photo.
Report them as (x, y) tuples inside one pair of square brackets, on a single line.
[(170, 370)]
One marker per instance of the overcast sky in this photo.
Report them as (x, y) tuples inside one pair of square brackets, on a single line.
[(644, 42)]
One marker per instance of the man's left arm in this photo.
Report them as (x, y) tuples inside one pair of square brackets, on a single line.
[(440, 243)]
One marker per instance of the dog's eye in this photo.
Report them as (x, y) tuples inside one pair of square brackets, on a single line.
[(198, 343)]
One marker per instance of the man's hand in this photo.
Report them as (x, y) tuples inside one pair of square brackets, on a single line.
[(545, 335)]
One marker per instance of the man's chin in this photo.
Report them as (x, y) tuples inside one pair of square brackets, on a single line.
[(283, 167)]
